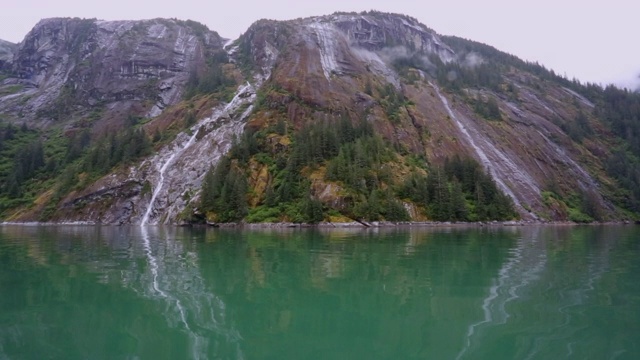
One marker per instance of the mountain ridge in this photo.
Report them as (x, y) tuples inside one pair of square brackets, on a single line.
[(428, 98)]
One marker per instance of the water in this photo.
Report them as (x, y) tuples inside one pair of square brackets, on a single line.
[(73, 292)]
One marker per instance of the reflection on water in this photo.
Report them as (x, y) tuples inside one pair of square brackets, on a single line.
[(526, 260), (170, 278), (576, 297), (555, 305), (167, 293), (181, 287)]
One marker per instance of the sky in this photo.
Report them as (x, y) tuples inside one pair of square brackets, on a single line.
[(593, 41)]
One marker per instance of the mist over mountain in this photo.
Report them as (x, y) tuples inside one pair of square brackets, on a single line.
[(346, 117), (632, 83)]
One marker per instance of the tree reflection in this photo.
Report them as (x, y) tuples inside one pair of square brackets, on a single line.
[(481, 293)]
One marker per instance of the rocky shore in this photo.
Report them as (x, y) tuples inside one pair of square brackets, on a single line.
[(343, 225), (387, 224)]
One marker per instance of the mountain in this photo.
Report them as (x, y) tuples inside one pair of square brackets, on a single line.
[(351, 116), (6, 50), (6, 53), (66, 68)]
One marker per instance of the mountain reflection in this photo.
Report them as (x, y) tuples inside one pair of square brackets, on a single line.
[(352, 293), (174, 278), (446, 293), (155, 266), (522, 268), (544, 301)]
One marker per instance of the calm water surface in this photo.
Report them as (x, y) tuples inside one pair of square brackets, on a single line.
[(167, 293)]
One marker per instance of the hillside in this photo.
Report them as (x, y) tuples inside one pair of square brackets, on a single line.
[(365, 117), (6, 51)]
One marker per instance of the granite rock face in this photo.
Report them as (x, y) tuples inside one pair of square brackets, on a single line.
[(303, 70), (331, 63), (7, 50), (65, 69)]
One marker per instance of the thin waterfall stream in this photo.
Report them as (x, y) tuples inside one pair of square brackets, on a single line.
[(163, 169), (500, 165), (484, 159), (241, 97)]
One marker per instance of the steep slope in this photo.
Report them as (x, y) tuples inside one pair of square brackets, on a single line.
[(343, 62), (74, 71), (160, 188), (6, 52), (80, 86), (368, 116)]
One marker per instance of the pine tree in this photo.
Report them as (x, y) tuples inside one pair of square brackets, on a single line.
[(458, 203), (311, 208), (207, 197), (440, 207)]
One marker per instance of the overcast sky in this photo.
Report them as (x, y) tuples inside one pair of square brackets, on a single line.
[(593, 41)]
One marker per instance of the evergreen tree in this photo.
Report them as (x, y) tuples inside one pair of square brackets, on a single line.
[(394, 210), (224, 192), (207, 197), (458, 203), (312, 209)]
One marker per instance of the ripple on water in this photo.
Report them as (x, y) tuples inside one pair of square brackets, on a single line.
[(537, 293)]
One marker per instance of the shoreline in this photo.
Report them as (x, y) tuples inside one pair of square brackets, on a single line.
[(341, 225), (420, 224)]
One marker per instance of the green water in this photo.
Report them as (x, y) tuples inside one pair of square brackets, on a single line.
[(167, 293)]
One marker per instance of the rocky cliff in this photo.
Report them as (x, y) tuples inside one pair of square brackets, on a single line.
[(6, 52), (429, 98), (329, 62), (65, 69)]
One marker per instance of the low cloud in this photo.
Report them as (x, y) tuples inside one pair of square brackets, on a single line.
[(631, 82), (472, 60)]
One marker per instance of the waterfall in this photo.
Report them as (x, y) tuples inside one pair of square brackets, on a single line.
[(327, 46), (164, 167), (500, 165), (244, 95)]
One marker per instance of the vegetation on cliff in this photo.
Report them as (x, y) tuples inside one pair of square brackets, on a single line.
[(378, 124), (357, 161), (617, 109)]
